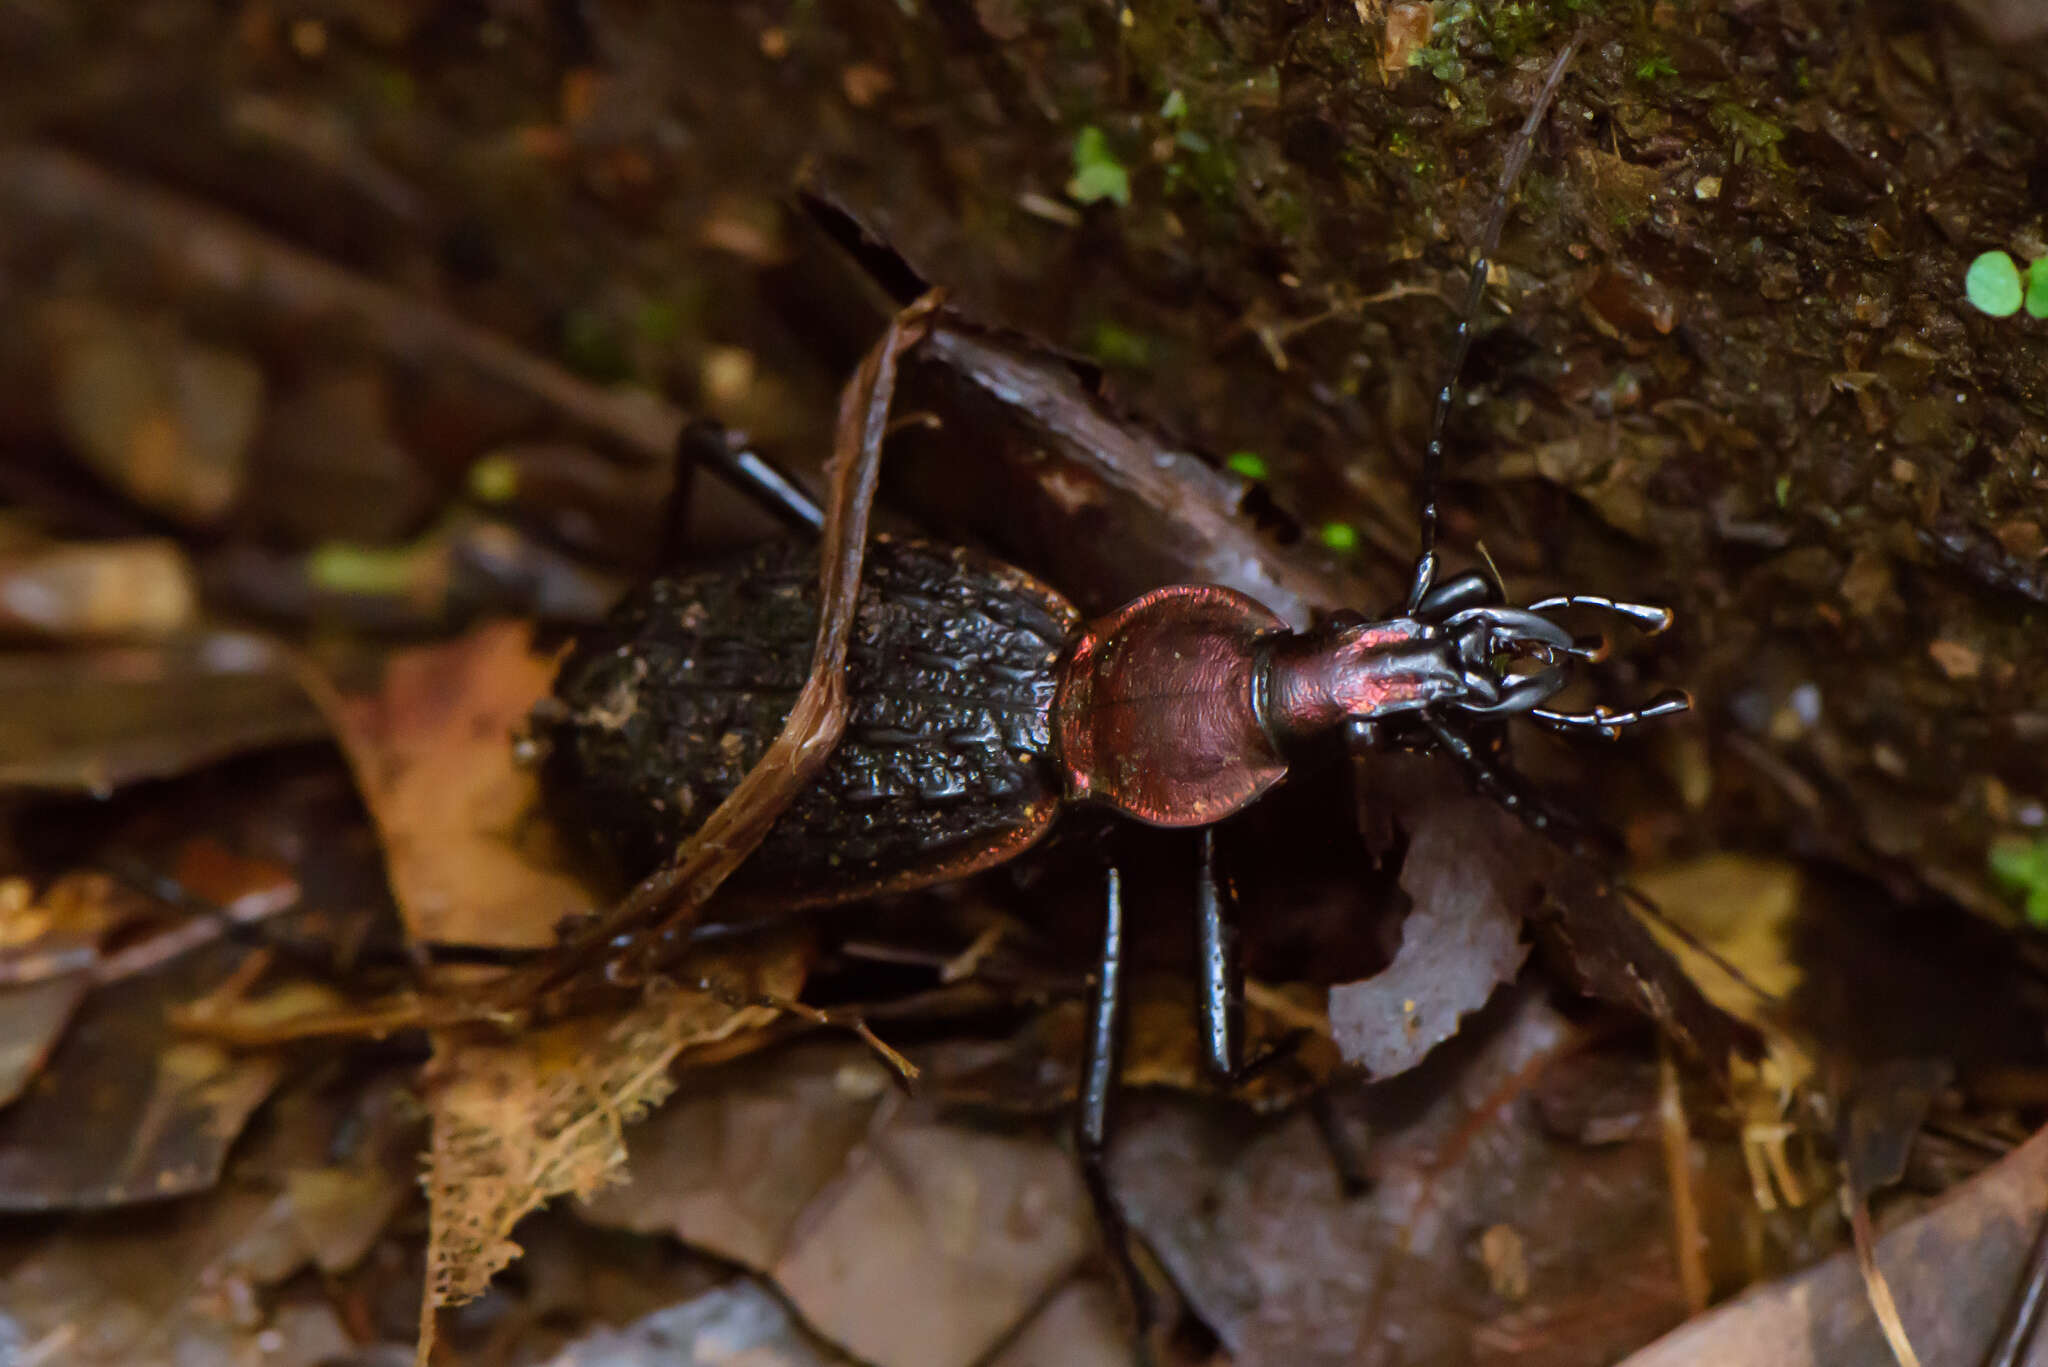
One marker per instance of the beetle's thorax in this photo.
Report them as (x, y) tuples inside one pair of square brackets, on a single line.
[(1159, 712), (1179, 708)]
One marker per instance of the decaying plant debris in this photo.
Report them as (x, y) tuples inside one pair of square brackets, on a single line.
[(349, 340)]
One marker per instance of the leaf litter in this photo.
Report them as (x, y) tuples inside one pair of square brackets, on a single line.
[(153, 360)]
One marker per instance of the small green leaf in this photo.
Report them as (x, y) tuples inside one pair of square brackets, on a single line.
[(1098, 175), (2020, 865), (1340, 536), (1250, 464), (1993, 284), (2037, 288), (1651, 68), (1176, 106)]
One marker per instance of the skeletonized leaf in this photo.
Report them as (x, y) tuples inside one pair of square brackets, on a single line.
[(518, 1122)]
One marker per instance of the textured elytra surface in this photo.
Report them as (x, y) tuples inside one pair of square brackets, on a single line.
[(660, 712)]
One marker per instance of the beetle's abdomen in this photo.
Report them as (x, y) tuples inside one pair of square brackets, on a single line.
[(945, 765)]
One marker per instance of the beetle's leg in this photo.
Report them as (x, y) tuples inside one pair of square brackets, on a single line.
[(1506, 788), (1651, 617), (1100, 1061), (1222, 974), (707, 445), (1472, 589), (1609, 722)]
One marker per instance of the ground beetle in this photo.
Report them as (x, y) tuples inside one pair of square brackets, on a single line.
[(981, 706)]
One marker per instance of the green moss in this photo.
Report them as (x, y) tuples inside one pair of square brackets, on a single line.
[(1439, 56), (1285, 213), (659, 323), (1650, 68), (592, 347), (1115, 345), (1207, 169), (1514, 27), (1753, 133)]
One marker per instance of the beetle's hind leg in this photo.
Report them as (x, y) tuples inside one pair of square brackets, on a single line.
[(1222, 973), (1101, 1060)]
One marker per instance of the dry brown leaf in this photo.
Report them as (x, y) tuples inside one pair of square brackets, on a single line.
[(1953, 1269), (1742, 909), (32, 1016), (731, 1166), (98, 719), (470, 860), (518, 1122), (1462, 940), (937, 1243)]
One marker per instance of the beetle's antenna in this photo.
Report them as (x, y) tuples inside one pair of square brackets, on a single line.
[(1461, 343)]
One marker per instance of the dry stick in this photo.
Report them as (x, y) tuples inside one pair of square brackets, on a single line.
[(1875, 1287), (662, 908), (1686, 1236), (196, 246)]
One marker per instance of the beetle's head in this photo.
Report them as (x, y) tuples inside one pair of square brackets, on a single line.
[(1512, 660), (1459, 650)]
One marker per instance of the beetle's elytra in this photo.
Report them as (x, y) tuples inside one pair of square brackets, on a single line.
[(946, 766)]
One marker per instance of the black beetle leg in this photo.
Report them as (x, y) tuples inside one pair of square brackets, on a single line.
[(1100, 1062), (707, 445), (1497, 783), (1468, 590), (1222, 974)]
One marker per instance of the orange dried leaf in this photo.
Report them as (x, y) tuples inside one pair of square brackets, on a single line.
[(470, 860)]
